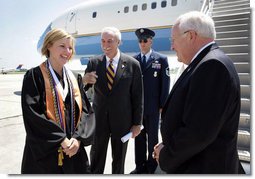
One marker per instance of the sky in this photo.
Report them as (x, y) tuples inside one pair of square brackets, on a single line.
[(22, 22)]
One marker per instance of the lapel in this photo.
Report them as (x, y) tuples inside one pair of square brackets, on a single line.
[(139, 58), (120, 69), (101, 70), (189, 70)]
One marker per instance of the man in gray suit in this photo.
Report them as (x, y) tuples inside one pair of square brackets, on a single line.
[(118, 100), (200, 118)]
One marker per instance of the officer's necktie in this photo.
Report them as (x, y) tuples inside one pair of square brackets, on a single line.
[(143, 62), (110, 74)]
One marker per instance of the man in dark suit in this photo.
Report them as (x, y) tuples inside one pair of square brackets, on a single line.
[(200, 118), (156, 83), (118, 101)]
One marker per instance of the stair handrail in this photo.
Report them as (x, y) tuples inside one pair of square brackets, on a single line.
[(207, 7)]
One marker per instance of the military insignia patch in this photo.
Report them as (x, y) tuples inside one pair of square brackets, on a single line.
[(168, 71), (156, 65)]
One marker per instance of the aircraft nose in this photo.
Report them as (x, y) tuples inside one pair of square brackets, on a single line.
[(40, 42)]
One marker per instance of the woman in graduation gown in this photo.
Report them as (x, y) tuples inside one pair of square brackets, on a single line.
[(52, 106)]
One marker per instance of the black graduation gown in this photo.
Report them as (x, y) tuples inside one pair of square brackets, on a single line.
[(44, 136)]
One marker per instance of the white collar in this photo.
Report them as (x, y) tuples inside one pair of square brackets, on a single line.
[(201, 49), (115, 59), (147, 54), (63, 92)]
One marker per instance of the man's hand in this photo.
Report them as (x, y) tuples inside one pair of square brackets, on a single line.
[(90, 78), (135, 129), (160, 110), (157, 149)]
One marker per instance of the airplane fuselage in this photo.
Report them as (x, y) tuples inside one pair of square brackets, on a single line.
[(85, 22)]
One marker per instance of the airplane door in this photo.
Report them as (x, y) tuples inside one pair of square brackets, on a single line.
[(71, 22)]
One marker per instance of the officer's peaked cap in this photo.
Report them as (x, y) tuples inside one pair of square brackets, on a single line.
[(144, 33)]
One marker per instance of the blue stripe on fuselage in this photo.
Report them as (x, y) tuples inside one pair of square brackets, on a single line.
[(91, 45)]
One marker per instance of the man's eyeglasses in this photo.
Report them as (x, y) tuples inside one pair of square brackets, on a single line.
[(174, 39), (143, 40)]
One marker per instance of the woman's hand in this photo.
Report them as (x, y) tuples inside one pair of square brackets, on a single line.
[(72, 148)]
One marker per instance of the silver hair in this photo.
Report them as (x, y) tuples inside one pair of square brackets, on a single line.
[(201, 23), (113, 30)]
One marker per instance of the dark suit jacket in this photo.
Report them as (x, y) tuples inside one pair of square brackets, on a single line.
[(200, 118), (156, 82), (121, 107)]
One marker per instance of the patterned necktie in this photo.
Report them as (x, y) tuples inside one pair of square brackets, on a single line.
[(143, 62), (110, 74)]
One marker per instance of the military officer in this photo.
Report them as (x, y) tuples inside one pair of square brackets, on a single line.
[(156, 80)]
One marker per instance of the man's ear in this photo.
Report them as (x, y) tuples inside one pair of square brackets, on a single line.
[(193, 34)]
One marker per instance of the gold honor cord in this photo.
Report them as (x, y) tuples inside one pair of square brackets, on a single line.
[(60, 156)]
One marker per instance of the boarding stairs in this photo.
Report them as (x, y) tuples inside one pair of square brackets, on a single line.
[(233, 28)]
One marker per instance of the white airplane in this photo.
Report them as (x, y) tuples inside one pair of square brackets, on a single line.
[(86, 21), (8, 70)]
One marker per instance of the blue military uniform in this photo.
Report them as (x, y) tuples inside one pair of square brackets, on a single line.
[(156, 83)]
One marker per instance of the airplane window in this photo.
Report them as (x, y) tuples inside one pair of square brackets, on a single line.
[(163, 4), (94, 15), (144, 7), (153, 5), (174, 3), (135, 8), (126, 9)]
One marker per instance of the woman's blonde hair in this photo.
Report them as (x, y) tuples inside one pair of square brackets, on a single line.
[(54, 35)]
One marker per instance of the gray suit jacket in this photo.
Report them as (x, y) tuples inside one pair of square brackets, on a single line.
[(120, 108)]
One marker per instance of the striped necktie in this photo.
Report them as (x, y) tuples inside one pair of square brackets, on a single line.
[(110, 74)]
